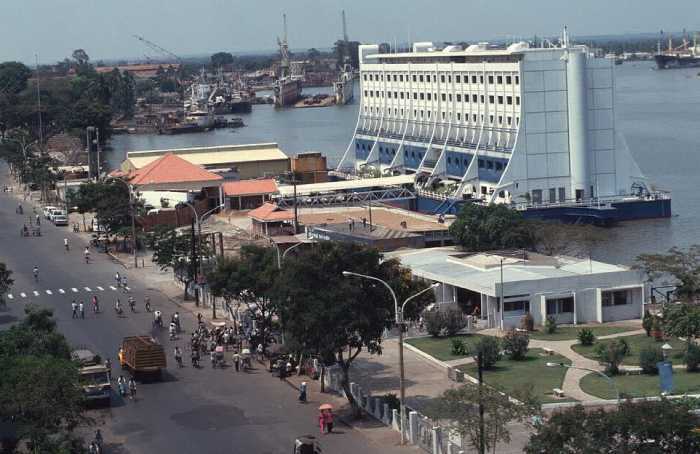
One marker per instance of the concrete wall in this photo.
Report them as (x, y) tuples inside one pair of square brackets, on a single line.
[(257, 169), (626, 312)]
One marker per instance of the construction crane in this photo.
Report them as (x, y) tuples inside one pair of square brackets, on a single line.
[(284, 50), (345, 29), (157, 48)]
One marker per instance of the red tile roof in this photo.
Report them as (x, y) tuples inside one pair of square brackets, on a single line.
[(171, 168), (250, 187), (269, 212)]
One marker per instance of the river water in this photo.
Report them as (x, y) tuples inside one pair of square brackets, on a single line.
[(657, 111)]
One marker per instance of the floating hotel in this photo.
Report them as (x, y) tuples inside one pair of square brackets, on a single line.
[(530, 127)]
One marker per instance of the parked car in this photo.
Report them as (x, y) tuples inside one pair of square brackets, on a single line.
[(47, 211), (56, 212), (60, 219)]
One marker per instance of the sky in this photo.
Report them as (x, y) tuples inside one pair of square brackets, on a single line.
[(104, 28)]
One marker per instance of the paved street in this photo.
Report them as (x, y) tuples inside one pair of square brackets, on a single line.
[(208, 411)]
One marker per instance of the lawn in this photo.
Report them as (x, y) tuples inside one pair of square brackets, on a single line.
[(640, 385), (636, 344), (509, 375), (440, 347), (571, 332)]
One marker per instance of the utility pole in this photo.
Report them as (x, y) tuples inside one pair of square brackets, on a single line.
[(193, 264), (482, 430)]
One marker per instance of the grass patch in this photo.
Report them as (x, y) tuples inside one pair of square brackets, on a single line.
[(640, 385), (571, 332), (441, 347), (636, 344), (510, 376)]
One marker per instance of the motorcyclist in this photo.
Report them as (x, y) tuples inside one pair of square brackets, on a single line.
[(158, 318), (195, 357), (86, 253), (35, 271), (65, 244), (38, 219), (98, 438), (118, 307), (148, 304), (176, 320), (95, 304), (172, 330), (118, 279), (178, 356), (132, 304)]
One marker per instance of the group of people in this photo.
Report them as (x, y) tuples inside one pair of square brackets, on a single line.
[(126, 387)]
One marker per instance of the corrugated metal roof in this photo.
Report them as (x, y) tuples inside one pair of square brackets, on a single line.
[(210, 156)]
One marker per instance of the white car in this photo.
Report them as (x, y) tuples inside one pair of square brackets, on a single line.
[(55, 212), (47, 210), (59, 218)]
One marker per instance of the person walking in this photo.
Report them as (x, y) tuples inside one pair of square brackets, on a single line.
[(121, 384), (132, 389), (81, 309), (74, 306), (237, 361), (328, 420), (108, 366), (322, 421)]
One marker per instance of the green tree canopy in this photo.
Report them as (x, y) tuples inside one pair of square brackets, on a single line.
[(646, 427), (221, 59), (13, 77), (683, 265), (6, 282), (492, 227)]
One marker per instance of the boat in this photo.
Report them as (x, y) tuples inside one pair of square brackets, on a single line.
[(683, 56), (287, 87), (469, 143), (343, 87), (198, 108)]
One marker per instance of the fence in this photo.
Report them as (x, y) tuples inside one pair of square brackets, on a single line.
[(419, 430)]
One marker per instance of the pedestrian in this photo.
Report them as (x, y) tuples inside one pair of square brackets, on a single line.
[(132, 389), (237, 361), (302, 392), (74, 306), (364, 222), (328, 420), (121, 384), (282, 369), (108, 366), (81, 308), (199, 318), (212, 357), (322, 421)]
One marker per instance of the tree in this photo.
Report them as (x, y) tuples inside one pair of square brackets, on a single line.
[(39, 384), (491, 227), (346, 52), (80, 56), (5, 282), (459, 406), (84, 200), (221, 59), (555, 238), (682, 320), (648, 427), (13, 77), (611, 354), (313, 54), (682, 265), (335, 316), (172, 249)]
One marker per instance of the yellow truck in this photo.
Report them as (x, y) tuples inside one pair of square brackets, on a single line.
[(142, 356)]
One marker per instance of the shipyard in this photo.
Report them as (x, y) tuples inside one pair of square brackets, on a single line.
[(349, 227)]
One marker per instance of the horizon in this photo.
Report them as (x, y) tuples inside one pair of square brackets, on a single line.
[(105, 31)]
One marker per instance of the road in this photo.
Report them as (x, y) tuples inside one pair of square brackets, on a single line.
[(205, 410)]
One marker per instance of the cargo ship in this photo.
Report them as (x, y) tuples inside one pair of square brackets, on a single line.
[(343, 87), (287, 88), (683, 56)]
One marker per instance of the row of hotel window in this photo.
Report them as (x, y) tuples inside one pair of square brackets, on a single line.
[(446, 115), (446, 97), (379, 77), (566, 305), (483, 163)]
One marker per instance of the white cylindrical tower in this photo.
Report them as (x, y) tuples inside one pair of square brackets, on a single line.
[(578, 124)]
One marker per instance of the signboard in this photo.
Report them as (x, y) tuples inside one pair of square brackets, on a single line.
[(665, 376)]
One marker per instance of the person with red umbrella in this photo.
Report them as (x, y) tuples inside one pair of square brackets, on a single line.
[(325, 418)]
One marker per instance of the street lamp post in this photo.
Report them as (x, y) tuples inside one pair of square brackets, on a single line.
[(608, 379), (399, 321)]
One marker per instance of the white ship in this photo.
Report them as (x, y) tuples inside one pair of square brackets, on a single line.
[(530, 127), (287, 88), (343, 87), (198, 110)]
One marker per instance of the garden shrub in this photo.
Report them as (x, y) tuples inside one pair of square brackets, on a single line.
[(692, 358), (550, 325), (459, 348), (433, 322), (454, 321), (586, 336), (490, 349), (648, 357), (515, 345), (611, 355), (647, 322)]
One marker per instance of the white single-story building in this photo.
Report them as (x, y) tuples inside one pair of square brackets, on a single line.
[(572, 290)]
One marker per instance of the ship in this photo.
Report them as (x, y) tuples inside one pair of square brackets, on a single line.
[(287, 87), (198, 110), (482, 139), (683, 56), (343, 87)]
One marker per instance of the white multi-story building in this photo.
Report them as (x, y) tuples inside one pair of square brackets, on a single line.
[(516, 124)]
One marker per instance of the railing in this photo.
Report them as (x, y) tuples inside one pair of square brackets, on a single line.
[(599, 202)]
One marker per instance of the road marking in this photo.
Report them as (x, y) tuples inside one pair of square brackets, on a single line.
[(75, 290), (49, 292), (61, 291), (113, 288), (23, 295), (36, 293), (87, 289), (9, 296), (100, 288)]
